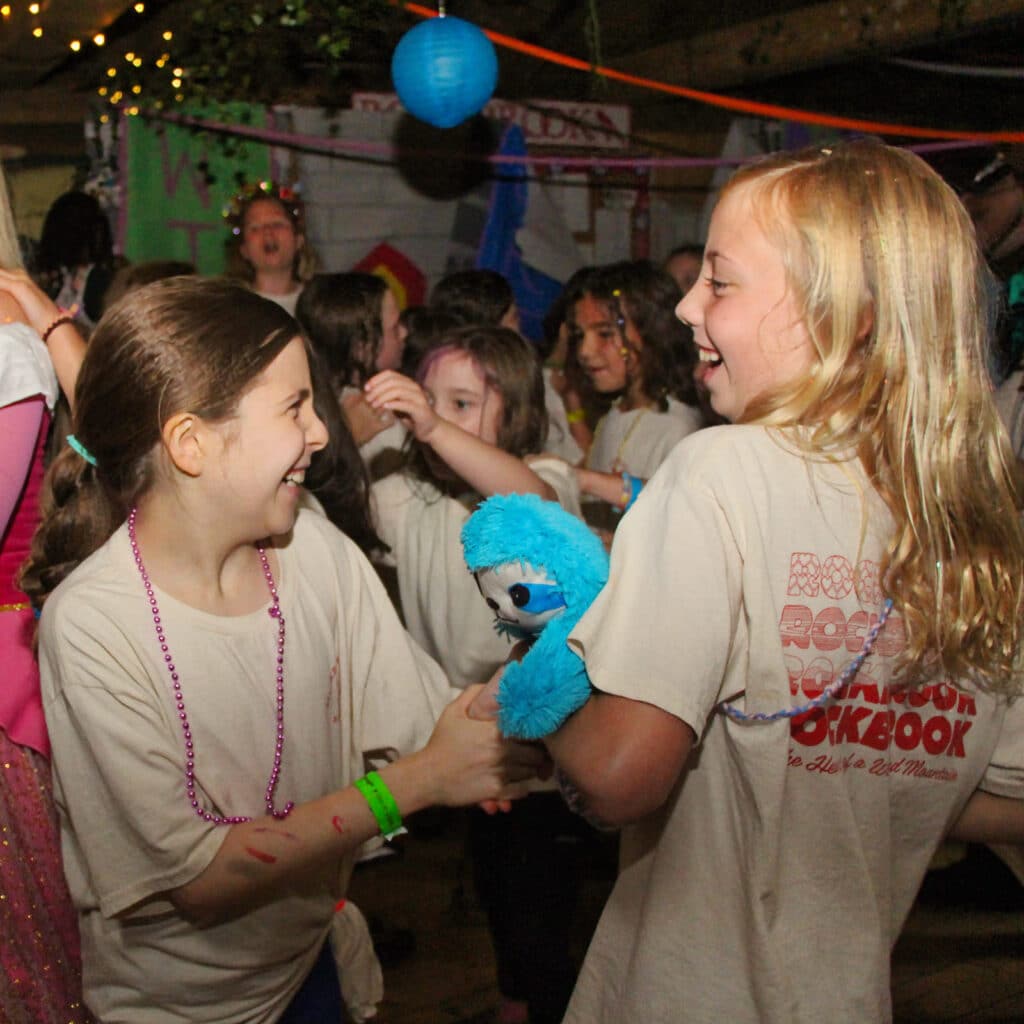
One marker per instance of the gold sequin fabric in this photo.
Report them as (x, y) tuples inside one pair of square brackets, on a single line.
[(40, 969)]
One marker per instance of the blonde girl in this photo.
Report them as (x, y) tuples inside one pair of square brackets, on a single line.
[(805, 653), (208, 763)]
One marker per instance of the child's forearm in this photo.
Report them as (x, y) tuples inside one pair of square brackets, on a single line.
[(464, 762), (618, 489), (990, 819), (485, 467)]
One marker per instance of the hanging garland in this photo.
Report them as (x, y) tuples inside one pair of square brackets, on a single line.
[(256, 52)]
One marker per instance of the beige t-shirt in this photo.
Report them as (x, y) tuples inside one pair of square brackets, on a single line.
[(354, 683), (441, 604), (559, 441), (1010, 402), (639, 441), (772, 885)]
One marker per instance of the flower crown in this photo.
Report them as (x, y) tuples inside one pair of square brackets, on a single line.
[(286, 195)]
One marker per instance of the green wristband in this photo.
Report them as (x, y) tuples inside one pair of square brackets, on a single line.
[(382, 805)]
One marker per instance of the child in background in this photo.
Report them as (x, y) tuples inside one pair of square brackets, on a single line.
[(337, 476), (177, 703), (477, 297), (135, 275), (569, 399), (75, 261), (483, 298), (475, 410), (423, 326), (807, 650), (268, 246), (352, 321), (631, 346)]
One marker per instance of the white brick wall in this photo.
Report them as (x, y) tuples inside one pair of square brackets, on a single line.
[(353, 205)]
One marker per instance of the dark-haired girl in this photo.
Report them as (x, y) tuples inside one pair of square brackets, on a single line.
[(632, 347)]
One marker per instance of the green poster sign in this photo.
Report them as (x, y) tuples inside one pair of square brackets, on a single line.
[(177, 183)]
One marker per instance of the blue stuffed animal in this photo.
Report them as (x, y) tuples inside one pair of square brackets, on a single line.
[(539, 568)]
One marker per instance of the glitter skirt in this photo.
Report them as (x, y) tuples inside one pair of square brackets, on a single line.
[(40, 965)]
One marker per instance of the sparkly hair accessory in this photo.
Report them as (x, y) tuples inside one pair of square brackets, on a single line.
[(286, 195)]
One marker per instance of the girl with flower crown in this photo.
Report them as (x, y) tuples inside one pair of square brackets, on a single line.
[(268, 245), (220, 667)]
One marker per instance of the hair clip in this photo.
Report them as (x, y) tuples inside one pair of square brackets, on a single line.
[(620, 317)]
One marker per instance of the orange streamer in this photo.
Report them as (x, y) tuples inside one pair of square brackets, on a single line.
[(769, 110)]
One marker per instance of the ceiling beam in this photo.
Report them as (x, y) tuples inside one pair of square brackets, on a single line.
[(815, 36)]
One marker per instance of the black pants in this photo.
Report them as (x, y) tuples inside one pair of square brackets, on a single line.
[(527, 872)]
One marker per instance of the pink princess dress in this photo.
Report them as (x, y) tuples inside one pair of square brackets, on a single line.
[(40, 968)]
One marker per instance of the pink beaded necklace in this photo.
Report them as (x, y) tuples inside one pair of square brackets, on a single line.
[(179, 699)]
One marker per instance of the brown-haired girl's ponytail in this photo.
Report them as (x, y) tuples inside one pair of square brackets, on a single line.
[(77, 517), (182, 343)]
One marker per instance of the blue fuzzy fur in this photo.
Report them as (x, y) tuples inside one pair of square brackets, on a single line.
[(539, 692)]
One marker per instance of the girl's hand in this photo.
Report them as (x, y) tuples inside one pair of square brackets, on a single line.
[(39, 309), (363, 422), (394, 392), (469, 761)]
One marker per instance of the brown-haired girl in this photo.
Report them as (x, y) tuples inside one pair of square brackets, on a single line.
[(475, 410), (630, 345), (209, 763), (351, 320)]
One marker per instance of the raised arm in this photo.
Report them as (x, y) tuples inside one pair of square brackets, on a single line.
[(486, 468), (34, 307)]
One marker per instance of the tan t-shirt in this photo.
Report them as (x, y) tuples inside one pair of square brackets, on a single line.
[(640, 440), (441, 604), (774, 881), (354, 683)]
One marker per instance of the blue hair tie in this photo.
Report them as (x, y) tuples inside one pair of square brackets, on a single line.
[(77, 446)]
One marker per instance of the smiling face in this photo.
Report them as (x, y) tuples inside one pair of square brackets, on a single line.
[(269, 239), (266, 447), (600, 339), (750, 335), (461, 394)]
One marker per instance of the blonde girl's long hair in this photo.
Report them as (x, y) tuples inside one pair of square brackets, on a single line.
[(10, 247), (884, 265)]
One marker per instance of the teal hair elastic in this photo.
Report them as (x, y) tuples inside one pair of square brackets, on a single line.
[(81, 449)]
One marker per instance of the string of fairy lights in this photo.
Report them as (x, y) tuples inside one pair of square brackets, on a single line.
[(120, 93)]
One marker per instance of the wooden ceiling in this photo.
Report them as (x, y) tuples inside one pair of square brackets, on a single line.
[(902, 61)]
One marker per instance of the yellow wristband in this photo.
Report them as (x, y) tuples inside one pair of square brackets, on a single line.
[(576, 415)]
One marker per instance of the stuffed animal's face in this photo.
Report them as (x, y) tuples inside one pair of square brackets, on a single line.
[(520, 595)]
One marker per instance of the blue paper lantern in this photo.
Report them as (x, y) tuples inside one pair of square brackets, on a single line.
[(444, 71)]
